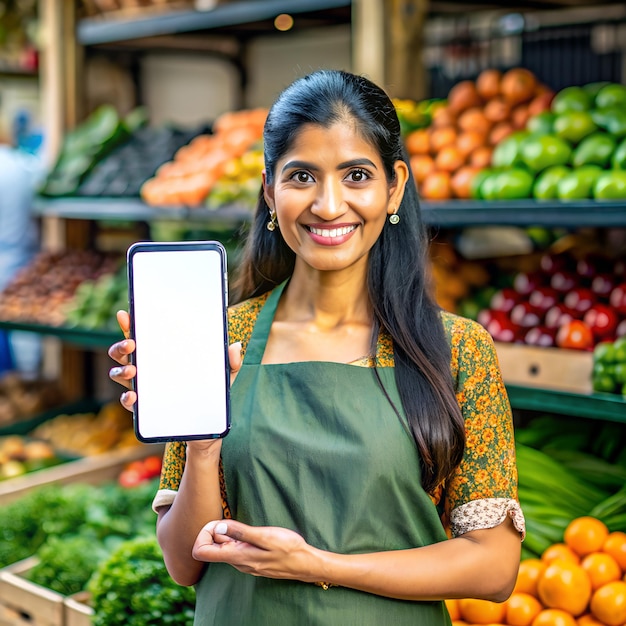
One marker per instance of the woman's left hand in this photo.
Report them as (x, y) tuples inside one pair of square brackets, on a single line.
[(258, 550)]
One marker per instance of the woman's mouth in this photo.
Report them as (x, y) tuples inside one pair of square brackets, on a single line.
[(331, 236)]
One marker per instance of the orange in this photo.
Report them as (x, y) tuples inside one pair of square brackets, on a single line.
[(442, 137), (588, 620), (421, 166), (601, 568), (468, 141), (461, 181), (453, 608), (559, 551), (615, 545), (565, 586), (474, 119), (418, 142), (554, 617), (481, 611), (449, 159), (528, 574), (521, 609), (608, 604), (481, 157), (436, 186), (585, 535)]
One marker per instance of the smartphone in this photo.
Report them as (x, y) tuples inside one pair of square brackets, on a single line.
[(178, 295)]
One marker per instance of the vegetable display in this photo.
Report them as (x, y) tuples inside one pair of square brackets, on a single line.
[(133, 587)]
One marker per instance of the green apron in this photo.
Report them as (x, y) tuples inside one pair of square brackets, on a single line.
[(316, 447)]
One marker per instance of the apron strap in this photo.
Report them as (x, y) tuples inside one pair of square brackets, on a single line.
[(262, 326)]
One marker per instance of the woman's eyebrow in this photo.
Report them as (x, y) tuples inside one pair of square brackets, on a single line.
[(342, 166), (355, 162)]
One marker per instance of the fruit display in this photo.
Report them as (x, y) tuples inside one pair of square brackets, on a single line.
[(240, 181), (20, 455), (571, 489), (609, 366), (67, 436), (569, 300), (188, 179), (575, 150), (21, 399), (478, 115), (40, 292), (579, 580), (413, 115), (86, 434)]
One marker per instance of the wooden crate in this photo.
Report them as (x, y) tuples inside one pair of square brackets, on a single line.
[(78, 612), (92, 470), (23, 603), (546, 368)]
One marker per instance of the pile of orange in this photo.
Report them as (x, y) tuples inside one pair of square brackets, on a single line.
[(478, 115), (579, 582)]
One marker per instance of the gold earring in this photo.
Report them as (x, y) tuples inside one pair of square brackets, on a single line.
[(394, 218), (271, 225)]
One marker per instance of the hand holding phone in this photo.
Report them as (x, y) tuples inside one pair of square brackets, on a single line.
[(178, 314)]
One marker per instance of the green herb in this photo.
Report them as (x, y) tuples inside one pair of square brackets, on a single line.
[(132, 587)]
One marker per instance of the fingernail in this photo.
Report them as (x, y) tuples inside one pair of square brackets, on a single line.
[(124, 345), (124, 396), (116, 371), (221, 529)]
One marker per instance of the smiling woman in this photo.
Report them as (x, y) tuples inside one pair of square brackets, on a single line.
[(371, 445)]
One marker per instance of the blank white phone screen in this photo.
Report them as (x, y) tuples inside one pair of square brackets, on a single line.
[(178, 299)]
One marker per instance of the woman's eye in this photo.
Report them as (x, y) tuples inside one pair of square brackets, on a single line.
[(358, 176), (301, 177)]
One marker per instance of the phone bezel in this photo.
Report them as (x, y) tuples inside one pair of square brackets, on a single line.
[(178, 246)]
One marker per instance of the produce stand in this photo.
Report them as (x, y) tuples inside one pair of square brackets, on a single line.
[(23, 603), (538, 380), (77, 610), (91, 470)]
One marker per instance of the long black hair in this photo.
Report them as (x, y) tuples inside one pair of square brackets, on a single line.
[(398, 277)]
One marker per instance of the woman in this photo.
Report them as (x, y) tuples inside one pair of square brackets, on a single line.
[(362, 415)]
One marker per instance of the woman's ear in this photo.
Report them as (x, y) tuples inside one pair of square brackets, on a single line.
[(268, 191), (396, 189)]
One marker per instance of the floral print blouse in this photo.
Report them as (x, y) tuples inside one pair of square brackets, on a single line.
[(483, 490)]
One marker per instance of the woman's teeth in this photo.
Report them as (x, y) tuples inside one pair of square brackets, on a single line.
[(332, 232)]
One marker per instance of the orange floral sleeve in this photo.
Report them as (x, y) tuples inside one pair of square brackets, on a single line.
[(483, 490)]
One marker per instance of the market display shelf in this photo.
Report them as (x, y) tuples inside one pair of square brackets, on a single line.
[(130, 209), (97, 30), (83, 337), (452, 213), (572, 214), (601, 406)]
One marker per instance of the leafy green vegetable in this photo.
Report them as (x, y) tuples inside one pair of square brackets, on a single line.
[(66, 564), (50, 510), (132, 587)]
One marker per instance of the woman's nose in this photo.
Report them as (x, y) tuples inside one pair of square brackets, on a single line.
[(330, 202)]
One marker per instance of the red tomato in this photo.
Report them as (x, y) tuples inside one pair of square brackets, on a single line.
[(139, 468), (130, 478), (152, 465), (575, 335)]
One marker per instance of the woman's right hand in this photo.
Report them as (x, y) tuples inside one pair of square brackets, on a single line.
[(125, 371)]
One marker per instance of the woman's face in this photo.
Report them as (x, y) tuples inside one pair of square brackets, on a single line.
[(331, 196)]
